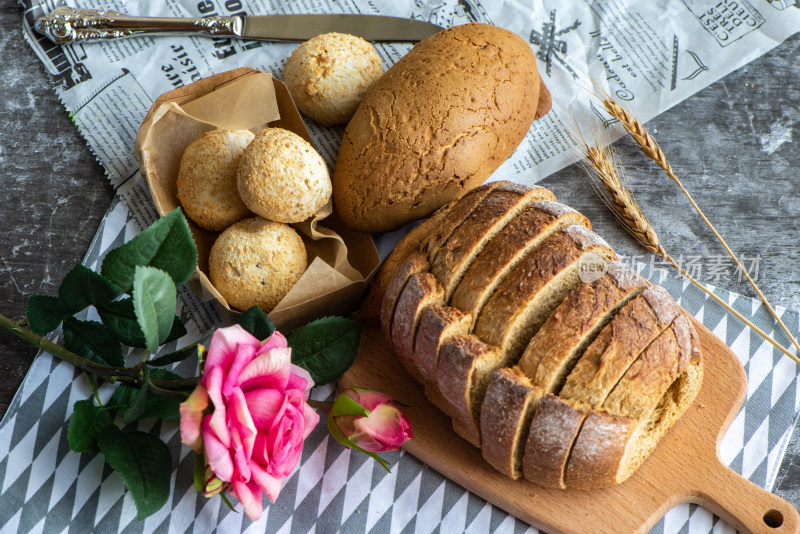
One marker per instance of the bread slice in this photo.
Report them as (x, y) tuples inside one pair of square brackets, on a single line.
[(506, 414), (488, 218), (421, 291), (553, 351), (594, 376), (655, 391), (465, 367), (437, 325), (536, 287), (551, 434), (617, 346), (507, 249), (370, 309), (414, 263), (455, 216)]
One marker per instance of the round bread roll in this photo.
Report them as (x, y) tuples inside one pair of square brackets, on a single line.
[(207, 178), (282, 178), (328, 76), (256, 262)]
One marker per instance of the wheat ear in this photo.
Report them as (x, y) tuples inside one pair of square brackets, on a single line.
[(617, 196), (649, 147)]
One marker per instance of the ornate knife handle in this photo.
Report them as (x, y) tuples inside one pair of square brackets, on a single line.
[(68, 25)]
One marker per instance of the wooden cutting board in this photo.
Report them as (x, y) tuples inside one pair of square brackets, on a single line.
[(684, 467)]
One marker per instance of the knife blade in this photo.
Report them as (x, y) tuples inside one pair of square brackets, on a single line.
[(303, 27), (68, 25)]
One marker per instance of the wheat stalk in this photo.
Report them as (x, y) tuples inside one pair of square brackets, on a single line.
[(602, 166), (649, 147)]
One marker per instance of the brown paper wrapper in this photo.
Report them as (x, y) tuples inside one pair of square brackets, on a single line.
[(341, 261)]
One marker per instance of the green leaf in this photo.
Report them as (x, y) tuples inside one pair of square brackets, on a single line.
[(85, 424), (326, 348), (136, 408), (166, 245), (256, 322), (154, 302), (345, 405), (120, 318), (161, 407), (82, 287), (45, 314), (227, 502), (143, 462), (92, 340), (177, 356)]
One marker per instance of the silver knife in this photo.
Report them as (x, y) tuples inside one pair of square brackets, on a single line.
[(67, 25)]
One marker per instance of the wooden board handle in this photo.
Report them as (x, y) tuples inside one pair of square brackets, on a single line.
[(744, 505)]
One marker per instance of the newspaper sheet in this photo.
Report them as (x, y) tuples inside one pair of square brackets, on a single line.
[(647, 55)]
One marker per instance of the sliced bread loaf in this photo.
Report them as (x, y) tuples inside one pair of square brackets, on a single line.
[(507, 249), (536, 287), (506, 414), (605, 365), (553, 351), (421, 291), (655, 390), (465, 368), (488, 218)]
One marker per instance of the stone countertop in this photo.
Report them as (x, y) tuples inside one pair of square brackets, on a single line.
[(735, 145)]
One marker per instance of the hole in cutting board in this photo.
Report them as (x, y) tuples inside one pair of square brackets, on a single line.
[(773, 518)]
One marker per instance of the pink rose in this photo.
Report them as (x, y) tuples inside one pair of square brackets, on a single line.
[(253, 433), (384, 428)]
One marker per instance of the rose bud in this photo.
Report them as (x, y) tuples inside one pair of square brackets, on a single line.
[(370, 421)]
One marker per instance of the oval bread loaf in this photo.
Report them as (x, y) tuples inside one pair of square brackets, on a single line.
[(436, 125), (559, 375)]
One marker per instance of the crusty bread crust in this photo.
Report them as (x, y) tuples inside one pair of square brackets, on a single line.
[(437, 325), (592, 379), (414, 263), (465, 367), (467, 429), (552, 432), (420, 291)]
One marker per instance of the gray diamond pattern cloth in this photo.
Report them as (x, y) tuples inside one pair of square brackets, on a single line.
[(44, 487)]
